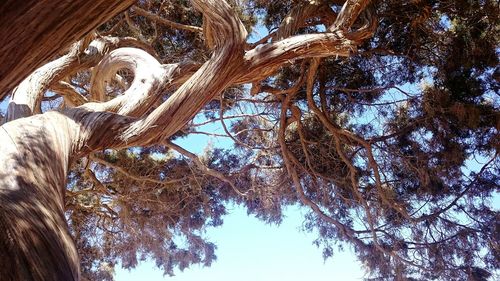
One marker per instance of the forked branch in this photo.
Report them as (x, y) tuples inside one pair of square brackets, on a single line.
[(228, 65)]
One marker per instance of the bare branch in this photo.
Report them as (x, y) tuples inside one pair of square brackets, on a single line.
[(204, 168), (160, 20), (69, 93)]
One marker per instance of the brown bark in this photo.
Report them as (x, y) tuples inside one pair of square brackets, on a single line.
[(26, 98), (33, 31), (35, 243)]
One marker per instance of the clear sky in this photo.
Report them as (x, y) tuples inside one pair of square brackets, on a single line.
[(250, 250)]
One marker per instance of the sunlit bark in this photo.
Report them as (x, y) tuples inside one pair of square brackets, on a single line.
[(34, 31)]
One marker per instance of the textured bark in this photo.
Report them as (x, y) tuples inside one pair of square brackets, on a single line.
[(35, 243), (34, 163), (26, 98), (33, 31)]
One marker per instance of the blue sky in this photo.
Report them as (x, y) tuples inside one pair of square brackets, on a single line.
[(250, 250)]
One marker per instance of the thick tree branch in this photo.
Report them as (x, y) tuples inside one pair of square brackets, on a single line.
[(228, 65), (262, 61), (33, 31), (28, 95)]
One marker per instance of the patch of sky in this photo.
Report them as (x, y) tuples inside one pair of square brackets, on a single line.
[(258, 32), (250, 250), (375, 114), (204, 137), (475, 163), (445, 22)]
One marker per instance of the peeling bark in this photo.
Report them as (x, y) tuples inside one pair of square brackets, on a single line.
[(36, 244)]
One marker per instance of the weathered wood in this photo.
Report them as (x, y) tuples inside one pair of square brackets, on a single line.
[(35, 243), (34, 31)]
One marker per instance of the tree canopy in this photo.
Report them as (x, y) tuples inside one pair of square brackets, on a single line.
[(389, 138)]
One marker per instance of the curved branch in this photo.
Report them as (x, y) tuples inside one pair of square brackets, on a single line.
[(148, 75), (224, 25), (151, 81), (83, 54), (28, 95)]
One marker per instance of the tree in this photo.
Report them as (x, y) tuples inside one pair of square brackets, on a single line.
[(325, 111)]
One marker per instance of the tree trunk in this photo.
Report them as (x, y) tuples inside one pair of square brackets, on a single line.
[(34, 31), (35, 243)]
